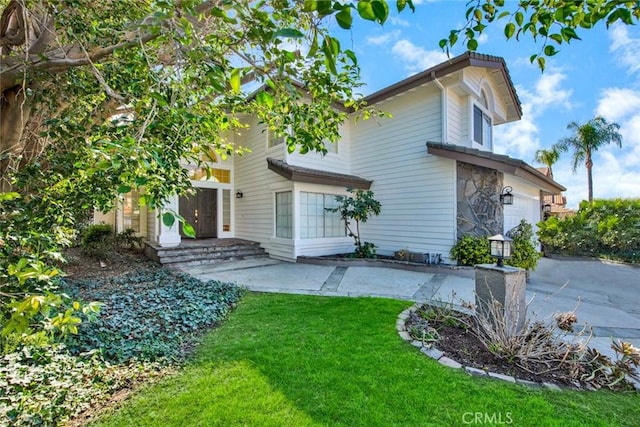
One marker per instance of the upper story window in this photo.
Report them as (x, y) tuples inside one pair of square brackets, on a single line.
[(273, 139), (482, 125)]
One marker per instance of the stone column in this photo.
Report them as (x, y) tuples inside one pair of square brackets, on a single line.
[(505, 286)]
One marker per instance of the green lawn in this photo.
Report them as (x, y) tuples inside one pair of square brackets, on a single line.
[(303, 360)]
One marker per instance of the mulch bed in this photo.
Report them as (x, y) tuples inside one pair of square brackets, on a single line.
[(462, 345)]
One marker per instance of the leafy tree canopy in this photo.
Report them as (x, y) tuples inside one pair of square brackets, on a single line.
[(553, 22)]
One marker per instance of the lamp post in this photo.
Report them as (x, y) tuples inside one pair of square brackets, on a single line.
[(501, 290), (500, 248)]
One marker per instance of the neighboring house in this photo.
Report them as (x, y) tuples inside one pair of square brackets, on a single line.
[(431, 166), (556, 203)]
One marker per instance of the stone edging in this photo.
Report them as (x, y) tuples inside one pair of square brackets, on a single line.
[(436, 354)]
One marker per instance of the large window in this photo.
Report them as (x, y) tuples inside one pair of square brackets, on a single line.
[(482, 133), (315, 220), (284, 215)]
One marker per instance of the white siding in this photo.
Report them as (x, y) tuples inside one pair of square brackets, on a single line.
[(526, 204), (330, 162), (416, 190), (254, 213), (458, 121)]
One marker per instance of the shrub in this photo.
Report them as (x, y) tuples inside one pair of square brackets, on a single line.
[(472, 250), (603, 228), (524, 253), (98, 240)]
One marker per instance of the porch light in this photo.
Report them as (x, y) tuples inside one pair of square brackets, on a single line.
[(506, 198), (239, 194), (546, 208), (500, 248)]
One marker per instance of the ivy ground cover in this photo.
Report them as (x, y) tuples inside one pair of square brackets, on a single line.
[(306, 361)]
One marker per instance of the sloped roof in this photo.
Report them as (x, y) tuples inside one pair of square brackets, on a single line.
[(467, 59), (316, 176), (498, 162)]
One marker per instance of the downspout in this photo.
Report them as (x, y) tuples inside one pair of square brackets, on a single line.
[(444, 108), (445, 140)]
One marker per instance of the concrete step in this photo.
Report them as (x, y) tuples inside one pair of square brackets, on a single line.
[(214, 256)]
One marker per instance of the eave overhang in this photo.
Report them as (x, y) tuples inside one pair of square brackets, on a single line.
[(315, 176), (497, 162)]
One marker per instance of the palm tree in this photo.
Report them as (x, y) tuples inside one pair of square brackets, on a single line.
[(547, 157), (586, 140)]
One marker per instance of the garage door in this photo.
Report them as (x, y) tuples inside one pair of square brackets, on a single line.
[(524, 207)]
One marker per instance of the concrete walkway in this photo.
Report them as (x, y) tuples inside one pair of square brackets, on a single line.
[(607, 295)]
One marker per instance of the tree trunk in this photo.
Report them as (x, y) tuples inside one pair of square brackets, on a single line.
[(15, 112), (589, 165)]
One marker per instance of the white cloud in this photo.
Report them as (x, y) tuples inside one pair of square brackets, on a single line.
[(521, 139), (627, 49), (617, 103), (383, 38), (415, 57), (483, 38)]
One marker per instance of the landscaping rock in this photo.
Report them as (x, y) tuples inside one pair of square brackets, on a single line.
[(551, 386), (528, 383), (502, 377), (417, 343), (449, 363), (405, 335), (475, 371), (433, 353)]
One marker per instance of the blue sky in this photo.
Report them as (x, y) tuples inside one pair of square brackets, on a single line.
[(599, 75)]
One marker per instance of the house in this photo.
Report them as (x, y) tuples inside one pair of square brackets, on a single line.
[(554, 204), (431, 166)]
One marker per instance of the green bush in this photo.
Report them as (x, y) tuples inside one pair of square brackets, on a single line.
[(603, 228), (472, 250), (98, 240), (524, 253)]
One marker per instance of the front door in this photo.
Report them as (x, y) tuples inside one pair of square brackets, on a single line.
[(199, 210)]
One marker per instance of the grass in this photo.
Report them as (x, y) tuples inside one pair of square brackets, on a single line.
[(308, 361)]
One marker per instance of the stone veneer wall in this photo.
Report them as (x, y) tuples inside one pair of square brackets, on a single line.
[(479, 211)]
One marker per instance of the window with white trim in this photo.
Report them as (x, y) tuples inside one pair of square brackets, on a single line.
[(284, 215), (315, 220), (482, 124)]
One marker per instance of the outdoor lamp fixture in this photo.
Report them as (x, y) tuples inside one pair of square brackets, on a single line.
[(506, 198), (239, 194), (546, 209), (500, 248)]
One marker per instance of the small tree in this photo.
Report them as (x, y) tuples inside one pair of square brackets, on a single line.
[(358, 207)]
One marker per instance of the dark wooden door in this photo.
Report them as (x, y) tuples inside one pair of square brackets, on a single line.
[(200, 211)]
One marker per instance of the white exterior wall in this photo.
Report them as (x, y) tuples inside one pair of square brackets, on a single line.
[(255, 212), (458, 120), (526, 204), (332, 162), (416, 190)]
